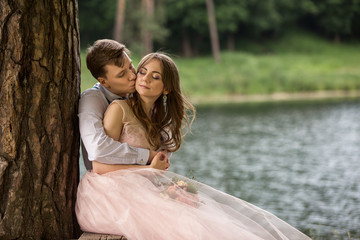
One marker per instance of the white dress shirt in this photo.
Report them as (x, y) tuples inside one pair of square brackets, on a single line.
[(96, 145)]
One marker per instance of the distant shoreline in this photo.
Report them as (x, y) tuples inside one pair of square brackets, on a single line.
[(303, 96)]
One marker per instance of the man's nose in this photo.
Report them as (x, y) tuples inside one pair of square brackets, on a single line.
[(132, 76)]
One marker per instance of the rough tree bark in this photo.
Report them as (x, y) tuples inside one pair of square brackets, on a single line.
[(39, 137), (119, 20), (213, 30)]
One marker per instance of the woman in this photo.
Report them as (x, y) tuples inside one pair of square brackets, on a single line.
[(150, 202)]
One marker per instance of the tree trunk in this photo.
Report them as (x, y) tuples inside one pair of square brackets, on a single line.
[(186, 43), (213, 30), (39, 137), (119, 20), (197, 41), (148, 10), (230, 42), (337, 38)]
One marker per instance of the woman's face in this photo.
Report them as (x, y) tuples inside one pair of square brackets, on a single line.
[(149, 82)]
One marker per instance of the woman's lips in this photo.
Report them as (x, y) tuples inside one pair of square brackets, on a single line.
[(143, 86)]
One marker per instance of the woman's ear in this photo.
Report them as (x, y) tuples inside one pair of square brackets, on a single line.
[(165, 92)]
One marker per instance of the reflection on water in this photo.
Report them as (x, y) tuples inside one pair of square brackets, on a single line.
[(300, 161)]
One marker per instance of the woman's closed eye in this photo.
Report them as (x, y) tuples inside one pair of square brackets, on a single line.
[(156, 76), (142, 72)]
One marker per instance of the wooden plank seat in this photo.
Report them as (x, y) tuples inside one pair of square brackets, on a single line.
[(98, 236)]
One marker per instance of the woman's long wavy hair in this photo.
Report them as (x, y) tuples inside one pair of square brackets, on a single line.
[(165, 129)]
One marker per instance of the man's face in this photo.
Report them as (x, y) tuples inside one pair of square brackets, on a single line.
[(119, 80)]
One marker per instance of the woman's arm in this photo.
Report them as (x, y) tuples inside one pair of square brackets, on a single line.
[(114, 121), (98, 145), (113, 125)]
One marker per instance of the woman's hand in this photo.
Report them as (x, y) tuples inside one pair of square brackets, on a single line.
[(160, 161)]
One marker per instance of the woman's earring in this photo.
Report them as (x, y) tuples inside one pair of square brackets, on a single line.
[(164, 98)]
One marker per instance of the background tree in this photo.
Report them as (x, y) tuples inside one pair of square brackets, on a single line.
[(267, 18), (230, 16), (147, 7), (188, 23), (39, 137), (182, 26), (119, 20), (96, 20), (144, 25), (215, 46), (334, 18)]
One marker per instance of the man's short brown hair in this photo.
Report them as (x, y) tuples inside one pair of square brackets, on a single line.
[(102, 53)]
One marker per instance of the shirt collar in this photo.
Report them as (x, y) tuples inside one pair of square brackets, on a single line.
[(109, 95)]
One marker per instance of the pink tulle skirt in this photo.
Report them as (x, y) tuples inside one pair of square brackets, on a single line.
[(154, 204)]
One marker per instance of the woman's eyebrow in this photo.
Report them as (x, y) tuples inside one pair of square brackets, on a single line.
[(152, 71)]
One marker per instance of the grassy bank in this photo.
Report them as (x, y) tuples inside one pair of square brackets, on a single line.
[(296, 65)]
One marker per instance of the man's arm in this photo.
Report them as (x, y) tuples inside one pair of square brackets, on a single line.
[(99, 146), (160, 162)]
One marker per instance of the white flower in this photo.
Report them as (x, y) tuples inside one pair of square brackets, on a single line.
[(181, 183)]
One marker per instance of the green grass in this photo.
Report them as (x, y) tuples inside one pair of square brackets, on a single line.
[(87, 80), (298, 62)]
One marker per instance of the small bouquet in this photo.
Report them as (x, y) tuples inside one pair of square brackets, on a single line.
[(182, 191)]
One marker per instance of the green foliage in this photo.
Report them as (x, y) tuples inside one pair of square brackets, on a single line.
[(136, 21), (265, 16), (298, 62), (191, 188), (334, 17), (183, 24), (230, 14), (97, 17), (187, 20), (188, 13), (96, 20)]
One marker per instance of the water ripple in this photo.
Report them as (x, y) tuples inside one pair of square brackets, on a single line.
[(300, 161)]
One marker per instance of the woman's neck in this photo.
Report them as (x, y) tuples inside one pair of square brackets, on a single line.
[(147, 105)]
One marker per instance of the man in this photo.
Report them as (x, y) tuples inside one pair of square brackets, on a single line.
[(108, 62)]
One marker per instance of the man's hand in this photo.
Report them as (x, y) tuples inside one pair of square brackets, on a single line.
[(160, 161)]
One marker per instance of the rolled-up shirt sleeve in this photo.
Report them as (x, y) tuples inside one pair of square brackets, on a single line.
[(99, 146)]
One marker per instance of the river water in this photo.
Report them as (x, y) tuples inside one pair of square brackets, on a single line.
[(298, 160)]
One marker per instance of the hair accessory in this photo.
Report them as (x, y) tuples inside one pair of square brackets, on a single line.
[(164, 98)]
